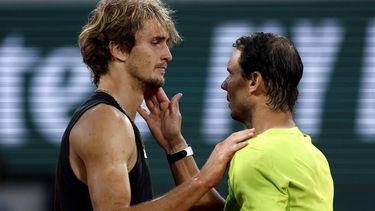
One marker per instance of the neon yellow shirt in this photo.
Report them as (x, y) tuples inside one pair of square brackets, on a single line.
[(280, 169)]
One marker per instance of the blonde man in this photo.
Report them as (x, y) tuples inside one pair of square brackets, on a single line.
[(102, 163)]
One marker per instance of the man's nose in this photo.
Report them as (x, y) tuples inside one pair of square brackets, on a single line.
[(224, 85), (167, 55)]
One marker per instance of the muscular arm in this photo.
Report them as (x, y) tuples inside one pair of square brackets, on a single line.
[(102, 147), (185, 195), (185, 169), (164, 121)]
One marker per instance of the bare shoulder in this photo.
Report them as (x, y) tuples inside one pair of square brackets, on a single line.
[(102, 151), (103, 130)]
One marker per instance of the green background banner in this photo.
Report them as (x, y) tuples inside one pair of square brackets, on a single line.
[(42, 81)]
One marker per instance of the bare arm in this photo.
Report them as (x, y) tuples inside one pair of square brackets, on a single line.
[(164, 121), (102, 146), (98, 141), (184, 196), (184, 170)]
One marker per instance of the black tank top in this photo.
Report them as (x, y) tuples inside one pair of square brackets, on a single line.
[(70, 193)]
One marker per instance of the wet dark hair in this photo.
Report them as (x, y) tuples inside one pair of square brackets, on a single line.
[(279, 63)]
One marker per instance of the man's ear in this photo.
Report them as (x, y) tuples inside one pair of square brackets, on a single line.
[(117, 52), (256, 81)]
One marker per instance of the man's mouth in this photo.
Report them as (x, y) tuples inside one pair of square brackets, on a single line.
[(162, 66)]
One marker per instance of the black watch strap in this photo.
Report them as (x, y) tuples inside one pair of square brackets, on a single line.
[(179, 155)]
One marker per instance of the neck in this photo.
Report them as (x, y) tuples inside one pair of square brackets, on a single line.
[(127, 96), (263, 120)]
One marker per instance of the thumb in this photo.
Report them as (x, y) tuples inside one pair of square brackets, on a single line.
[(175, 102)]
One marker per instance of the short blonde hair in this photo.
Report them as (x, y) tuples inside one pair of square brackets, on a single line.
[(119, 20)]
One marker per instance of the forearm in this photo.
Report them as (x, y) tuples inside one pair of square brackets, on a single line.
[(183, 197), (183, 170)]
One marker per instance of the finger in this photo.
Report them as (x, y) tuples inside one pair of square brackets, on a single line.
[(164, 106), (161, 95), (150, 105), (148, 98), (175, 103), (143, 112), (234, 148), (154, 100), (239, 145), (241, 135), (149, 92)]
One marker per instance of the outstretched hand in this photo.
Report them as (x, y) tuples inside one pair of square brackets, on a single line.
[(215, 167), (163, 119)]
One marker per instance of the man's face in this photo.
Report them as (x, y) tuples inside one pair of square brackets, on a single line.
[(148, 58), (237, 89)]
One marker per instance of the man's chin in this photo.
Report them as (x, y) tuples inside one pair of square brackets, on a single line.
[(236, 117), (154, 84)]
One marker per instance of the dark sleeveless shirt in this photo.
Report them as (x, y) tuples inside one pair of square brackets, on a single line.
[(70, 193)]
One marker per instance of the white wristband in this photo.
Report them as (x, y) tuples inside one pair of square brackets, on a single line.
[(179, 155)]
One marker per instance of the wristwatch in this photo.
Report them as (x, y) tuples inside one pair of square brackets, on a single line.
[(179, 155)]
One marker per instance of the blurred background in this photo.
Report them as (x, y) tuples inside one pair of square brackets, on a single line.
[(42, 81)]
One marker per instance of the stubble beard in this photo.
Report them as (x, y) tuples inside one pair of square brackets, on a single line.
[(240, 115), (153, 83), (234, 117), (148, 83)]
